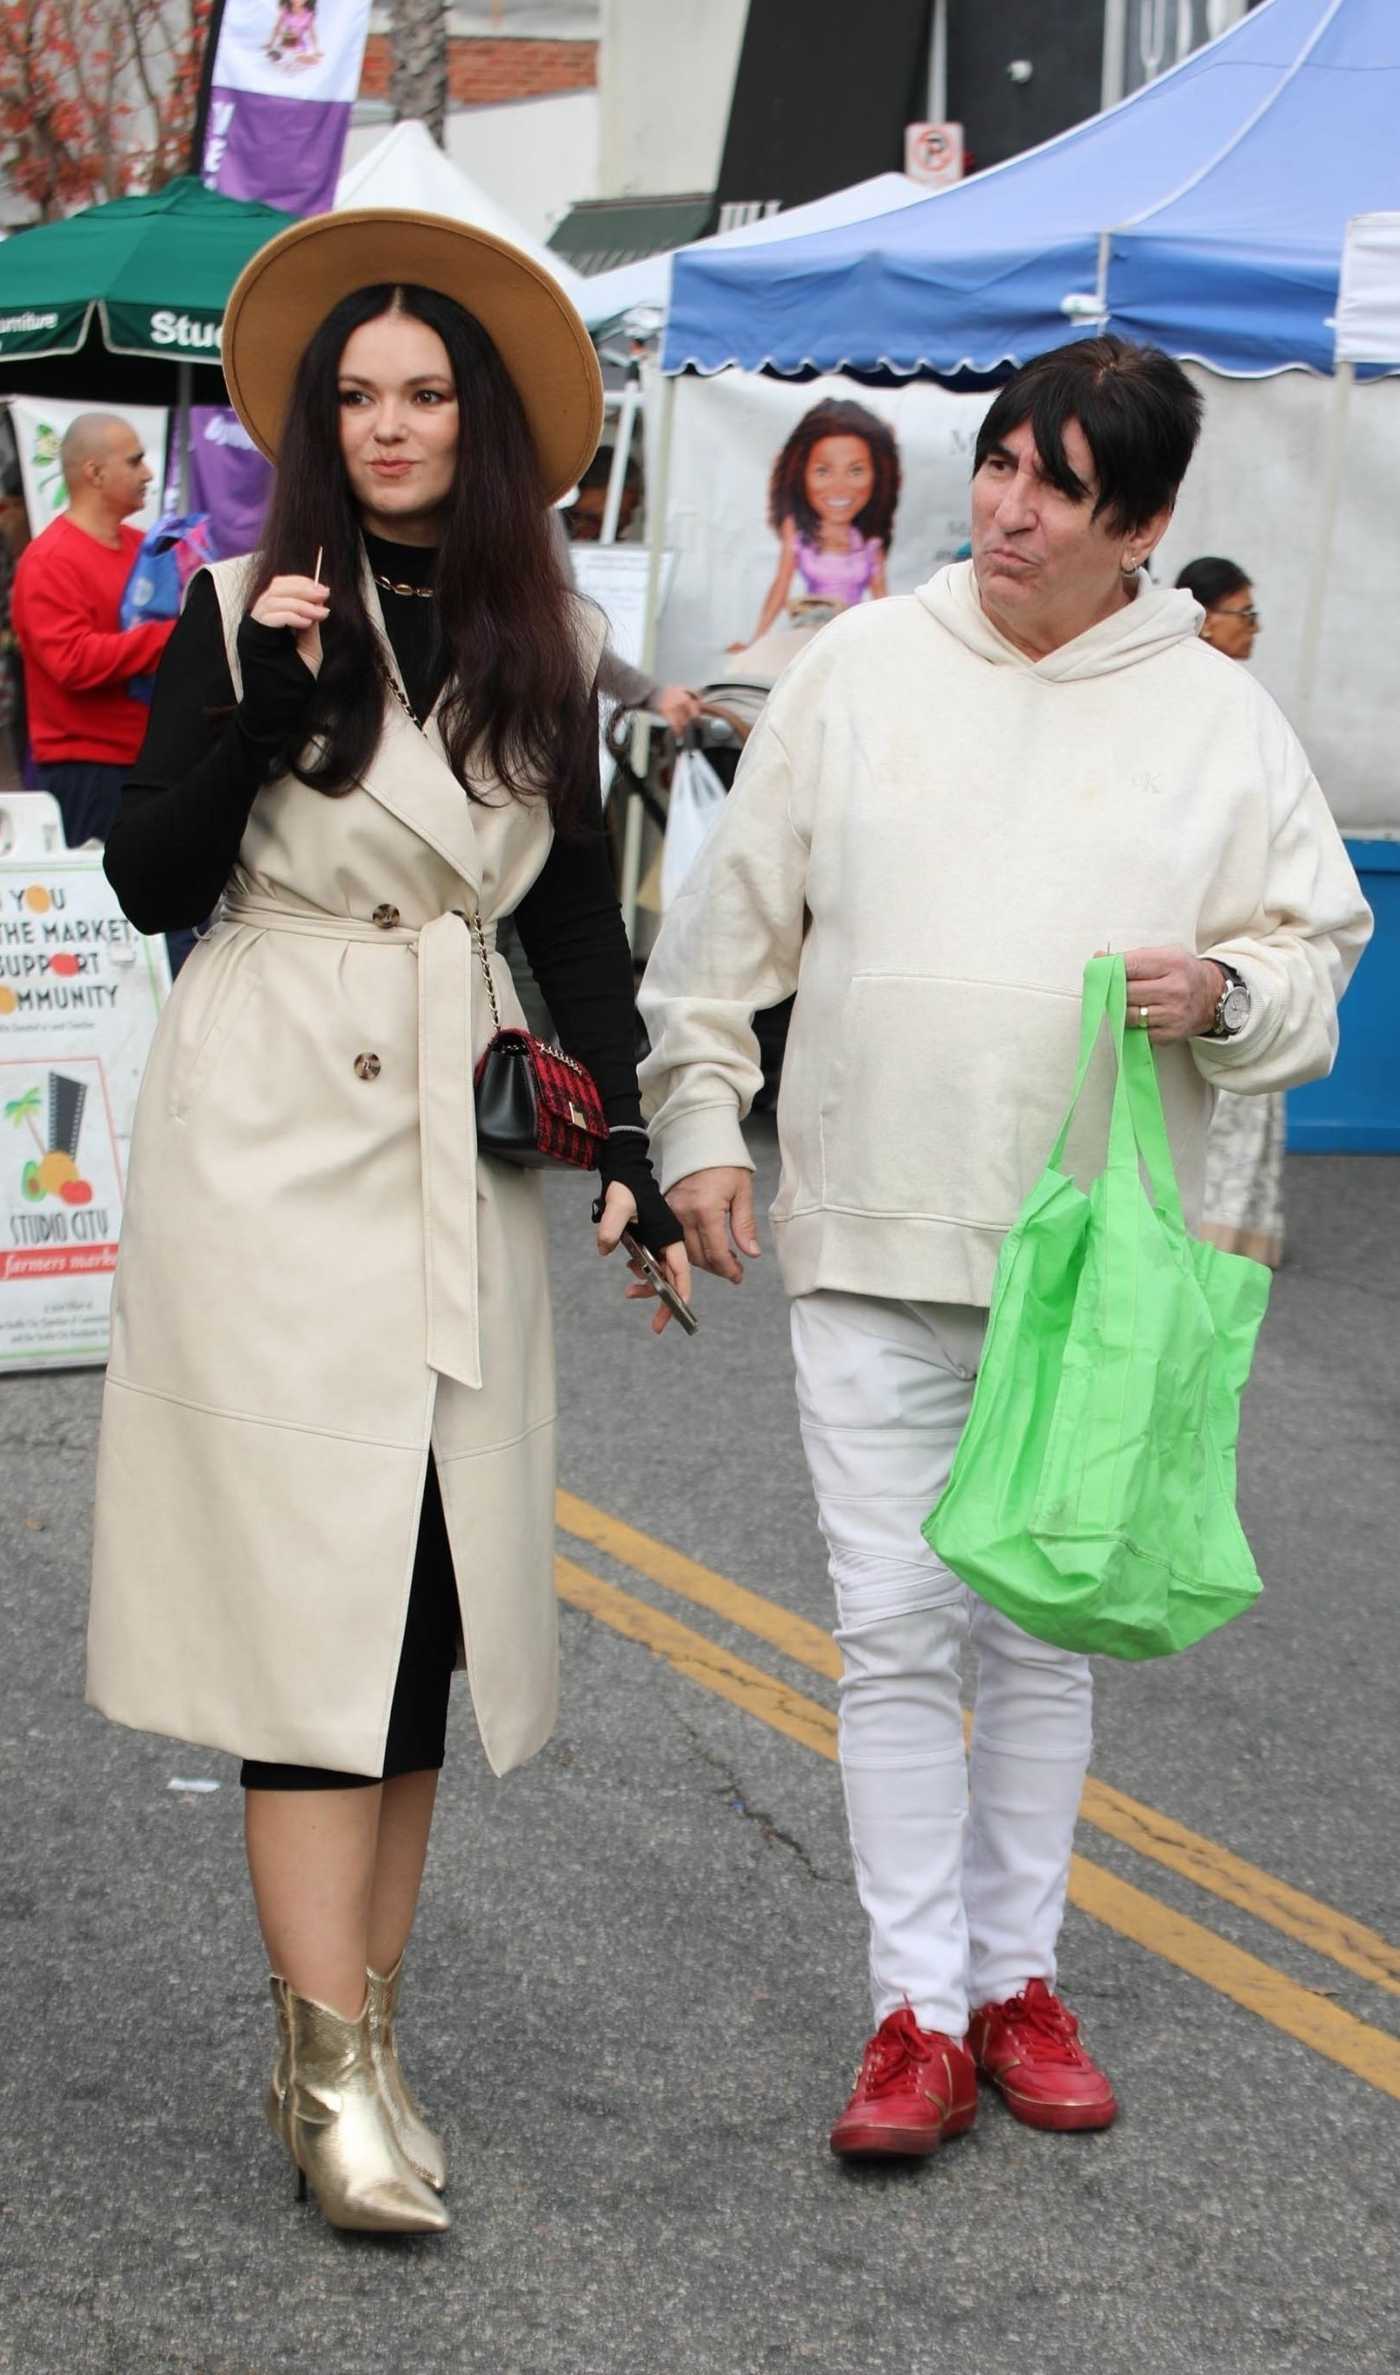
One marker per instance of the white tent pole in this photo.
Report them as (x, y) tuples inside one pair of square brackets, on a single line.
[(1115, 50), (622, 454), (938, 64), (658, 498), (1322, 551)]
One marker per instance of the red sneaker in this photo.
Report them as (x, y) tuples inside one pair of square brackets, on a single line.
[(916, 2088), (1029, 2047)]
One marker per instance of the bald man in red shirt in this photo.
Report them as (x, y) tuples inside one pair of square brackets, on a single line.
[(85, 728)]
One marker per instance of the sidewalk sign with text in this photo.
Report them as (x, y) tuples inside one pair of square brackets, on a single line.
[(615, 577), (80, 991)]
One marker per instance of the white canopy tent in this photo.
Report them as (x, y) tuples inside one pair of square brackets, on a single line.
[(1368, 303), (647, 283), (1367, 332), (645, 287), (407, 168)]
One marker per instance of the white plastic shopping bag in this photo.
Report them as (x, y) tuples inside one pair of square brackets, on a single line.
[(697, 797)]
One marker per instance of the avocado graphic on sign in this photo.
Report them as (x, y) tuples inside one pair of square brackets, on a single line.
[(55, 1172)]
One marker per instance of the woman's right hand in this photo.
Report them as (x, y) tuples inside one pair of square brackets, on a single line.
[(301, 603), (279, 652)]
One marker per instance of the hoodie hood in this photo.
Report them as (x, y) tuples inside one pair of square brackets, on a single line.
[(1156, 618)]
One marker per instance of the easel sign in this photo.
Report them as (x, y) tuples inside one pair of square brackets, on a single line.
[(615, 576), (80, 992)]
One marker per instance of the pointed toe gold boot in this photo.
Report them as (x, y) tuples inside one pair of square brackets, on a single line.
[(423, 2150), (336, 2126)]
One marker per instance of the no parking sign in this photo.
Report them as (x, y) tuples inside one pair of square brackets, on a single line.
[(933, 153), (80, 991)]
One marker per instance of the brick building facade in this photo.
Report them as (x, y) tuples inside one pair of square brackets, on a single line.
[(487, 73)]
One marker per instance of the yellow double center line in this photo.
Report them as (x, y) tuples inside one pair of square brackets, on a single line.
[(1300, 2012)]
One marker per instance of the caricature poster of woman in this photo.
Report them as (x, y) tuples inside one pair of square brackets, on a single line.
[(831, 503), (293, 43), (288, 50)]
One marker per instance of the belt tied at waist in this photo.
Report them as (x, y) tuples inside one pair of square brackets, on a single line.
[(447, 965)]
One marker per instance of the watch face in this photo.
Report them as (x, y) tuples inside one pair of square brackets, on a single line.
[(1234, 1009)]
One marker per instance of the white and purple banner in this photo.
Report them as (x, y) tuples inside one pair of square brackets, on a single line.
[(228, 478), (285, 77)]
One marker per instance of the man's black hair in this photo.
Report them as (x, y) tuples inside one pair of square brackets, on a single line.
[(1139, 413), (1212, 580)]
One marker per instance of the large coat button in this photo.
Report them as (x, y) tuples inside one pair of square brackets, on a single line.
[(386, 917), (367, 1067)]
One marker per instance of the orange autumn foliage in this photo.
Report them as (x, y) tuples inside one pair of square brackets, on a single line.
[(97, 97)]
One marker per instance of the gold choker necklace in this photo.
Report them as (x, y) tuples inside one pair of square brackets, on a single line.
[(391, 586)]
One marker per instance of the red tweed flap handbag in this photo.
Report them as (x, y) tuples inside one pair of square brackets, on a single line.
[(535, 1105)]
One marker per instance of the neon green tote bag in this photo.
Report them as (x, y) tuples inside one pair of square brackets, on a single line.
[(1092, 1498)]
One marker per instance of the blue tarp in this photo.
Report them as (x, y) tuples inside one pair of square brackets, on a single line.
[(1214, 201)]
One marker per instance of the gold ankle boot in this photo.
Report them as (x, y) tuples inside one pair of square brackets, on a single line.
[(337, 2129), (275, 2100), (421, 2147)]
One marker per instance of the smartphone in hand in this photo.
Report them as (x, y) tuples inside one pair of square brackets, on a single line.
[(655, 1276)]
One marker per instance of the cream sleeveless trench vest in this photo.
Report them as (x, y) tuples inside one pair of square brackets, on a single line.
[(317, 1281)]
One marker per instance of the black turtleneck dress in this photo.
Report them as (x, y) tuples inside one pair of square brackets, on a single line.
[(171, 852)]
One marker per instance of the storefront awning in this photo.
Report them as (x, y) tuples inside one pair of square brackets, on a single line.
[(601, 233)]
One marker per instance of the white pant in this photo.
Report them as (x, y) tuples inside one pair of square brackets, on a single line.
[(883, 1391)]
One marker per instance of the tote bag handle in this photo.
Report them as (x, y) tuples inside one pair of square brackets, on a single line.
[(1137, 1131)]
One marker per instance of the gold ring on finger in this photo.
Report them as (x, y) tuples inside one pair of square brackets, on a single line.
[(1142, 1016)]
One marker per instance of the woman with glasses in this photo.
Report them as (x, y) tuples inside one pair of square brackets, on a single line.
[(1227, 598), (1244, 1153)]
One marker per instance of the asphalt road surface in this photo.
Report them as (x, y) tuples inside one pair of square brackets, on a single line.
[(637, 1991)]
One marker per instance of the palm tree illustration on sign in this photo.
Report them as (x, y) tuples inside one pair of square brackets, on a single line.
[(23, 1109)]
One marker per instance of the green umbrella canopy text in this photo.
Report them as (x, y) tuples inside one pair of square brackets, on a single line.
[(157, 271)]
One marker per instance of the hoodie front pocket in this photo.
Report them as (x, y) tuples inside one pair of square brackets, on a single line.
[(942, 1098)]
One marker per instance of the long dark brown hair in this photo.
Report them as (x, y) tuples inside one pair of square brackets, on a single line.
[(787, 488), (514, 689)]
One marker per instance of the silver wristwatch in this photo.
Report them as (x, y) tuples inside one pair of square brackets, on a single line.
[(1232, 1008)]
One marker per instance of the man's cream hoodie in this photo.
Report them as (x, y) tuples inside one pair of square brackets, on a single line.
[(927, 838)]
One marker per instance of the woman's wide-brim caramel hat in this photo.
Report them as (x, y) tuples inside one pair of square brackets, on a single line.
[(284, 294)]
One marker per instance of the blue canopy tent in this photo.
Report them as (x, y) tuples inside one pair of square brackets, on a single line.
[(1206, 213), (1238, 266)]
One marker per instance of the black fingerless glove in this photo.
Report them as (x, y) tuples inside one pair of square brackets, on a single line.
[(277, 687), (625, 1158)]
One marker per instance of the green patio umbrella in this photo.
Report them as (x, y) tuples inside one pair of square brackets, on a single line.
[(156, 272)]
